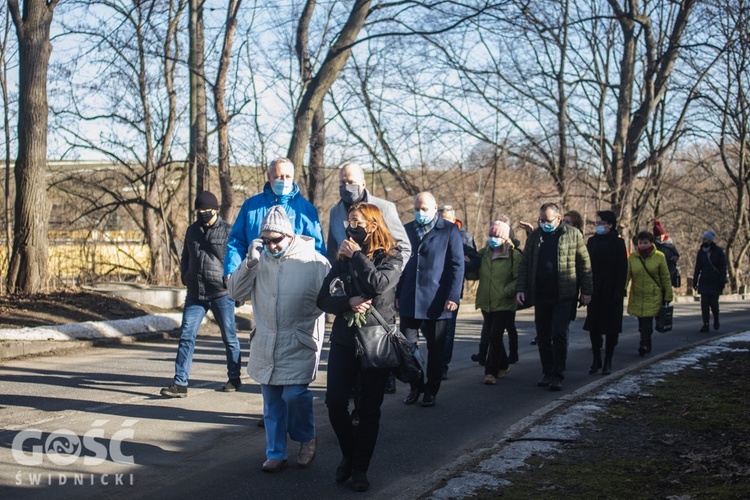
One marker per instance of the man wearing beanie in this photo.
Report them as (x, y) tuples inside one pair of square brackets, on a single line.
[(282, 274), (666, 246), (201, 268), (280, 190), (709, 277)]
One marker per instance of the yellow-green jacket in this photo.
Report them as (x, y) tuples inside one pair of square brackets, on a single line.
[(646, 295), (497, 281)]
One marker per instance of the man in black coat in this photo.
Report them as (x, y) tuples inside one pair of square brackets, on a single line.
[(202, 271), (709, 277)]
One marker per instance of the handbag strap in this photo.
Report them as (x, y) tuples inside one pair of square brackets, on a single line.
[(643, 263)]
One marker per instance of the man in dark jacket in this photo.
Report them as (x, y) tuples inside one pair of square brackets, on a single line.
[(709, 277), (666, 245), (201, 268), (430, 288), (554, 265)]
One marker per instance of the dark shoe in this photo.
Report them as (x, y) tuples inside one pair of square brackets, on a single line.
[(513, 359), (704, 328), (607, 368), (648, 348), (444, 376), (174, 391), (475, 358), (274, 465), (716, 324), (359, 481), (344, 470), (232, 385), (307, 452), (555, 383), (412, 397), (261, 423), (428, 400), (390, 385), (597, 363), (533, 342), (642, 350), (545, 381)]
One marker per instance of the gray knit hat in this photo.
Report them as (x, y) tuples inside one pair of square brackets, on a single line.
[(277, 221), (709, 235)]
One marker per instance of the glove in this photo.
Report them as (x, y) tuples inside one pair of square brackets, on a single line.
[(254, 250)]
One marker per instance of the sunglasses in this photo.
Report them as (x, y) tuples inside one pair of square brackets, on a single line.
[(275, 241)]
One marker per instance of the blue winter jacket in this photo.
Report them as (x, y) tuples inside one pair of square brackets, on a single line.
[(246, 226)]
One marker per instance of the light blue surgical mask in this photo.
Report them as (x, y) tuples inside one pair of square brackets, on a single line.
[(547, 227), (277, 254), (424, 218), (601, 229), (282, 187), (495, 242)]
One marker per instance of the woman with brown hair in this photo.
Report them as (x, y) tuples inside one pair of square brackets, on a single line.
[(364, 276)]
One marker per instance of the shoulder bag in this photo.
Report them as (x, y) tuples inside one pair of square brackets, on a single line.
[(666, 311)]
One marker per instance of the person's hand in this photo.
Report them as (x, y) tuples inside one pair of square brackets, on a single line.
[(525, 226), (359, 304), (348, 247), (585, 299), (521, 298), (255, 249), (450, 306)]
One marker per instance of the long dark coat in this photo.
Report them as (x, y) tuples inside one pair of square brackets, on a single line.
[(710, 270), (609, 266)]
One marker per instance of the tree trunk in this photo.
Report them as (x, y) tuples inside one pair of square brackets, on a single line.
[(28, 264), (198, 155)]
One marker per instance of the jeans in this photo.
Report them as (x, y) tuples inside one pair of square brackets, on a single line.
[(192, 315), (552, 320), (287, 408), (450, 335), (434, 331), (344, 370), (497, 323), (709, 302)]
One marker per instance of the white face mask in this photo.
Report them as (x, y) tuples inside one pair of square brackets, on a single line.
[(282, 187)]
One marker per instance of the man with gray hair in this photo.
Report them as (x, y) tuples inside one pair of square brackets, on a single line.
[(279, 190)]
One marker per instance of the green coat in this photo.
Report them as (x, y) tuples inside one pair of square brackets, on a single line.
[(573, 264), (646, 296), (497, 281)]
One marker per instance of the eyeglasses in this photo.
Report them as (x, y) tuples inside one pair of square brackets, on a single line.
[(354, 224), (275, 241)]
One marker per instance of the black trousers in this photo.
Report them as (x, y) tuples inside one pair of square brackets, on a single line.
[(709, 302), (434, 331), (646, 328), (552, 321), (357, 443), (497, 323)]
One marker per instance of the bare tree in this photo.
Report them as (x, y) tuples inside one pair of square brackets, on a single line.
[(28, 264), (4, 46), (198, 153)]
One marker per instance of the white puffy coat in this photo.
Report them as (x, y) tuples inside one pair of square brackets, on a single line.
[(285, 344)]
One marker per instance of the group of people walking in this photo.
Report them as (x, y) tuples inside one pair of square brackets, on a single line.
[(375, 268)]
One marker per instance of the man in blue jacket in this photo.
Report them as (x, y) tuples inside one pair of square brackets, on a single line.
[(430, 288), (279, 190)]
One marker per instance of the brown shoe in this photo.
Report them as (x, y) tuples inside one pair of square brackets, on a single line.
[(489, 379), (307, 452), (503, 373), (274, 465)]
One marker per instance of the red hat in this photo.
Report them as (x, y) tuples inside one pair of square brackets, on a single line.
[(658, 228)]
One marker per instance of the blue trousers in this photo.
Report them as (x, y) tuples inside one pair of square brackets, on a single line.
[(192, 315), (287, 408)]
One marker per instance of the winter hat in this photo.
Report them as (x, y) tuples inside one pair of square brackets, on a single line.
[(277, 221), (709, 235), (658, 228), (500, 230), (206, 200)]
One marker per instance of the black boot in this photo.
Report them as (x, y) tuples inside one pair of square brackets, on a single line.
[(607, 368), (597, 363)]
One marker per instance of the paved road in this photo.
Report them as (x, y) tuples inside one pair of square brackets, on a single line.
[(208, 445)]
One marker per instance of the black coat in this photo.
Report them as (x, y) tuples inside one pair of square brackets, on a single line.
[(202, 262), (710, 274), (373, 279), (609, 267)]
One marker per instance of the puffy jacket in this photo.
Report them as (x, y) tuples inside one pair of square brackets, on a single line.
[(246, 228), (573, 265), (647, 293), (374, 279), (289, 328), (710, 273), (497, 281), (202, 259)]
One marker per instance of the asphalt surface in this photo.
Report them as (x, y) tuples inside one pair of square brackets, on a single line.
[(208, 444)]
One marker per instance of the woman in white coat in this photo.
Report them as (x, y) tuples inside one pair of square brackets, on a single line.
[(282, 275)]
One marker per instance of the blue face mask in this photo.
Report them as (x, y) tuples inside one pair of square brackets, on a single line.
[(601, 229), (282, 187), (495, 242), (423, 218), (277, 254), (547, 227)]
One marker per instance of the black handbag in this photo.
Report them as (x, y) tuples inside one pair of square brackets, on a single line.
[(411, 366), (376, 345), (676, 280), (664, 318)]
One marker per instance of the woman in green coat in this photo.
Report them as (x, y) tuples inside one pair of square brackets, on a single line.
[(650, 286), (496, 295)]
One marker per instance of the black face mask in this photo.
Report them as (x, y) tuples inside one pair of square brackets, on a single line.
[(358, 234), (205, 217), (706, 246)]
